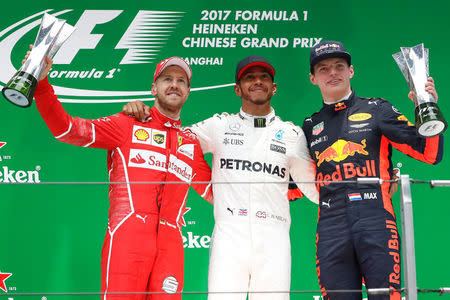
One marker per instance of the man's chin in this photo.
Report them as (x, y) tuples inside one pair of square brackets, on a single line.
[(260, 101), (336, 89)]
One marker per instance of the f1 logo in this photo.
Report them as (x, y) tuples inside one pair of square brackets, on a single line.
[(137, 43)]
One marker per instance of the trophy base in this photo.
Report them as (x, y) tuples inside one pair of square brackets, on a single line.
[(20, 89), (429, 120)]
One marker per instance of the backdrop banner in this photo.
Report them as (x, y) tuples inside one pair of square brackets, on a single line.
[(52, 234)]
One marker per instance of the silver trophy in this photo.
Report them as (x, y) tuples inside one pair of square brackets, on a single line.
[(52, 34), (413, 62)]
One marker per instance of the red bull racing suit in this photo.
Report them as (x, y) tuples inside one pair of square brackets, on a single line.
[(143, 248), (357, 233)]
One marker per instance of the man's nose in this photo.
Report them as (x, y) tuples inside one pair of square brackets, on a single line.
[(333, 70), (258, 79), (174, 84)]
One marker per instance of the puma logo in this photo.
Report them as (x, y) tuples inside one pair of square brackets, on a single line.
[(140, 217), (326, 203), (230, 210)]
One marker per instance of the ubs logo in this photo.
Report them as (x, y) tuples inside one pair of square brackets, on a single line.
[(229, 141)]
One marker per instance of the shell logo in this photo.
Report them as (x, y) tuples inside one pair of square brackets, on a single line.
[(141, 135), (360, 117)]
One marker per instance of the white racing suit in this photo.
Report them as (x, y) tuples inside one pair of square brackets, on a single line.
[(250, 248)]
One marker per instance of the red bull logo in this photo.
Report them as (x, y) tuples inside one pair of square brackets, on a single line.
[(347, 171), (403, 118), (339, 106), (394, 247), (340, 150)]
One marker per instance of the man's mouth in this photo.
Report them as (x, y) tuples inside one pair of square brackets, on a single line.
[(258, 89), (173, 93), (334, 81)]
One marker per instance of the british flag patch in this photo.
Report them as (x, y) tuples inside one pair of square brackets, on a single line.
[(242, 211)]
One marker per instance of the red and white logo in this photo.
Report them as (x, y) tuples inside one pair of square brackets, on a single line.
[(180, 169), (1, 145), (138, 159), (156, 161), (182, 221), (187, 150), (147, 159), (3, 277)]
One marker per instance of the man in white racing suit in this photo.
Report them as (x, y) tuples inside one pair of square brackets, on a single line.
[(254, 152)]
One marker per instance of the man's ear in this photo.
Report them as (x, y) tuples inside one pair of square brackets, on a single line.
[(312, 78), (274, 89), (237, 89), (153, 90)]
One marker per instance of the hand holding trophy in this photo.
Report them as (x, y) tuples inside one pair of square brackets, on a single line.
[(413, 62), (52, 34)]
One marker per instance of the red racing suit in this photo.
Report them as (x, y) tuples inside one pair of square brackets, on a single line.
[(143, 248)]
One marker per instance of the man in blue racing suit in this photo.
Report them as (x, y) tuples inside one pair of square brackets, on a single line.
[(352, 137)]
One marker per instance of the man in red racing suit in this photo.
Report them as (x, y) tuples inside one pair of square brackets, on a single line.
[(143, 248)]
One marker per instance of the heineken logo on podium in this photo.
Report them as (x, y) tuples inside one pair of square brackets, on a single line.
[(52, 34), (413, 62)]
